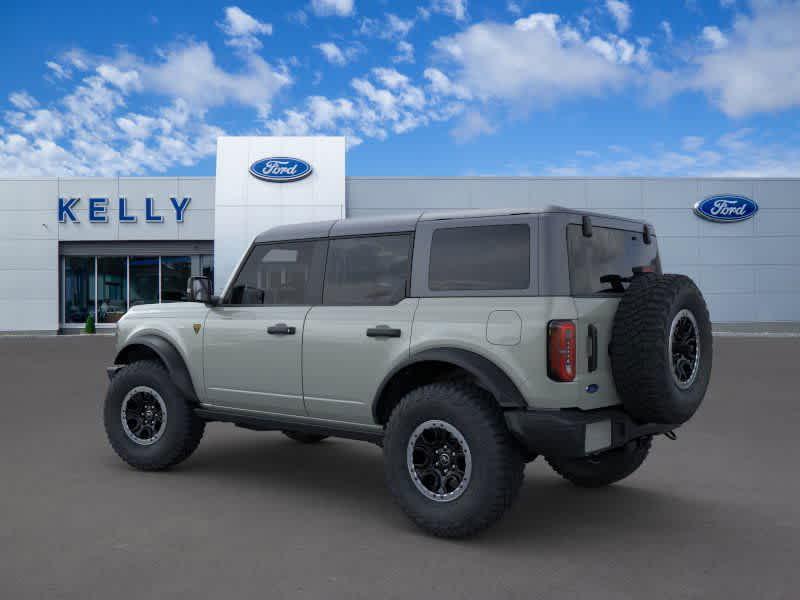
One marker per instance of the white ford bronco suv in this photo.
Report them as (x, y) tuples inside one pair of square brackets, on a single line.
[(465, 344)]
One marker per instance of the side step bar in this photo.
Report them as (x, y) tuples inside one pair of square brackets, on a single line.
[(258, 422)]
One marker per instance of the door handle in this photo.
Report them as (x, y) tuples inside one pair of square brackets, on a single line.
[(383, 331), (281, 329)]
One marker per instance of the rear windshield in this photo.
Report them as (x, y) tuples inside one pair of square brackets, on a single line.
[(605, 262)]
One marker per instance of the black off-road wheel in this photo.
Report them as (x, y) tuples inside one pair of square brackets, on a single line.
[(604, 468), (303, 437), (149, 423), (661, 348), (451, 463)]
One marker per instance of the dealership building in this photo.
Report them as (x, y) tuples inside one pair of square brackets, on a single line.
[(71, 248)]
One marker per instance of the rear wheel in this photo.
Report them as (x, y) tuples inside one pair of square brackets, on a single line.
[(604, 468), (451, 464), (303, 437), (148, 421)]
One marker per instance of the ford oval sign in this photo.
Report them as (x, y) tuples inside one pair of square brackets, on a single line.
[(726, 209), (280, 169)]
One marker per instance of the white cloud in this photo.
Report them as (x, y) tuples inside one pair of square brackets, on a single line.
[(453, 8), (471, 125), (441, 84), (758, 70), (666, 27), (537, 60), (385, 101), (58, 70), (692, 143), (715, 37), (336, 55), (243, 29), (22, 100), (621, 11), (398, 27), (514, 8), (405, 52), (339, 8), (735, 154), (91, 131)]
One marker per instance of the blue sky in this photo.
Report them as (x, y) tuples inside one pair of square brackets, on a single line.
[(437, 87)]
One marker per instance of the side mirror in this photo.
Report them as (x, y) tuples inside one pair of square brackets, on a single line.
[(199, 290)]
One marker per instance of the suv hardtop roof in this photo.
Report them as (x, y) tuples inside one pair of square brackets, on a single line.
[(405, 222)]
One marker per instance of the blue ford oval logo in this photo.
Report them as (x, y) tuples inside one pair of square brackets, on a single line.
[(280, 169), (726, 209)]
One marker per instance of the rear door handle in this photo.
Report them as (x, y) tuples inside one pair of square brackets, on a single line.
[(383, 331), (281, 329)]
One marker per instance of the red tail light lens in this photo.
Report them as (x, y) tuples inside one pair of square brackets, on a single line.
[(561, 350)]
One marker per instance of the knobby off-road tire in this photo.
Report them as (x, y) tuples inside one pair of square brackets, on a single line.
[(496, 464), (605, 468), (303, 437), (661, 348), (148, 451)]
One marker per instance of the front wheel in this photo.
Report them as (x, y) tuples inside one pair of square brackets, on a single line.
[(604, 468), (451, 464), (148, 422)]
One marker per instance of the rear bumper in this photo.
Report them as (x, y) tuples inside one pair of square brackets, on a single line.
[(574, 433)]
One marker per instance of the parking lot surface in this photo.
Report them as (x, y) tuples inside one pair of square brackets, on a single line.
[(715, 514)]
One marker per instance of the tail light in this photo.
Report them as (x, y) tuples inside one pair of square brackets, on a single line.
[(561, 350)]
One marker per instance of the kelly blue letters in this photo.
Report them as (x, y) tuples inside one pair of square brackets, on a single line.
[(65, 210), (98, 210), (180, 208)]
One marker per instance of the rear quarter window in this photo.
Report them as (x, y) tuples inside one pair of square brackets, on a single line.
[(481, 257), (605, 262)]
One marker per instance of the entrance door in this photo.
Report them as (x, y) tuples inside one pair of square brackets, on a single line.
[(362, 329), (253, 340)]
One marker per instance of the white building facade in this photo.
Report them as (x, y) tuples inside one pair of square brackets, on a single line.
[(71, 248)]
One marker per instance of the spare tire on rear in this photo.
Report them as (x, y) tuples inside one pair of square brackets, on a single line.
[(661, 348)]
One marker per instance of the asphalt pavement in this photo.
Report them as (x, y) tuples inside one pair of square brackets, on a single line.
[(715, 514)]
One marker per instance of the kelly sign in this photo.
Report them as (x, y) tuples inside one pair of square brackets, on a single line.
[(98, 210)]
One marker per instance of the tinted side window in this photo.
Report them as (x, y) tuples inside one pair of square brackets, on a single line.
[(605, 262), (485, 257), (288, 273), (367, 270)]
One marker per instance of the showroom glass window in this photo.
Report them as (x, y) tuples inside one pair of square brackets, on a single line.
[(143, 279), (112, 288), (483, 257), (175, 273), (106, 286), (79, 288), (285, 273), (368, 270)]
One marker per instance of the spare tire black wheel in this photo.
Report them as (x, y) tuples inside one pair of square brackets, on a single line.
[(661, 348)]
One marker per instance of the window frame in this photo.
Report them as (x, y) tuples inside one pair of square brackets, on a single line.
[(422, 253), (406, 290), (225, 301)]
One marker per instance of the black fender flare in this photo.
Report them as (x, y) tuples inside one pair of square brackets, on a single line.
[(169, 355), (489, 375)]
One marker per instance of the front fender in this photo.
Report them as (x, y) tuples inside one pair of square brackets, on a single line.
[(169, 355)]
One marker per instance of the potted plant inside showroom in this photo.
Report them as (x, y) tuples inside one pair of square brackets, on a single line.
[(89, 327)]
